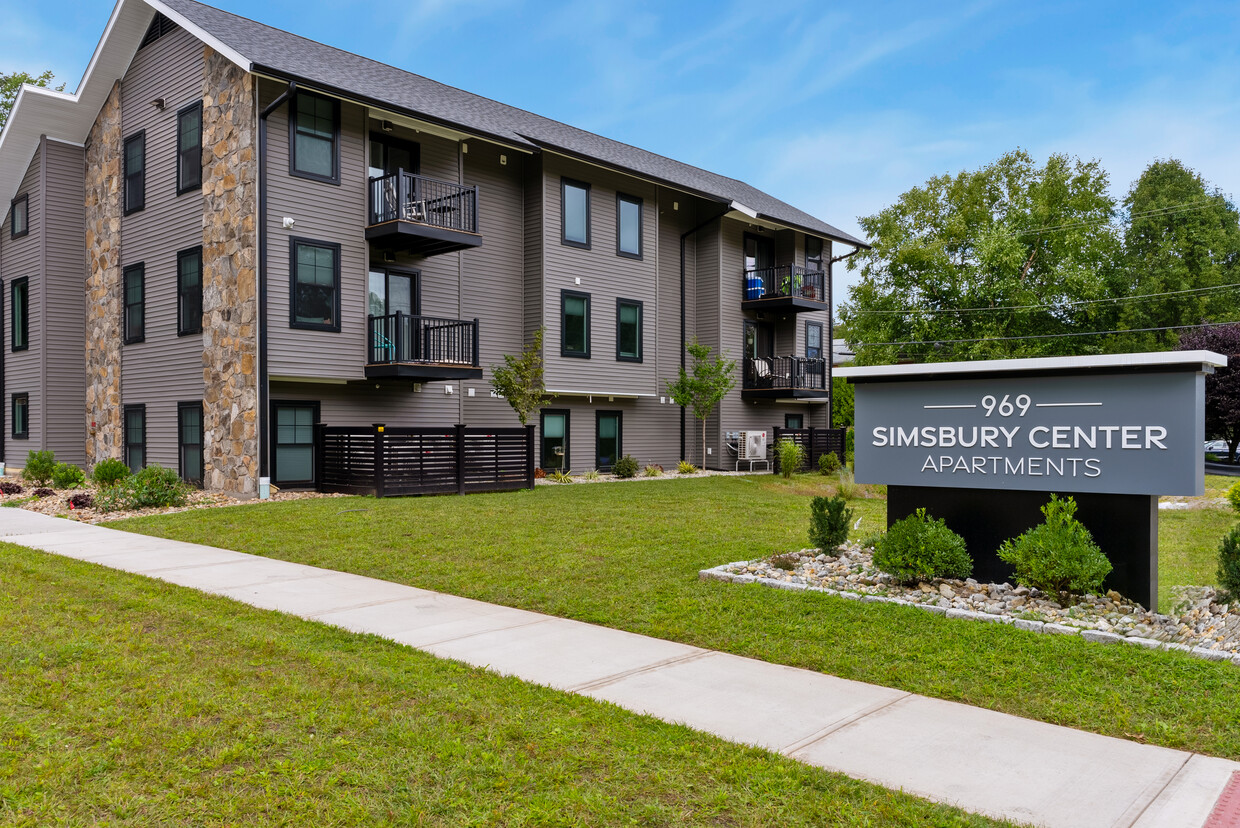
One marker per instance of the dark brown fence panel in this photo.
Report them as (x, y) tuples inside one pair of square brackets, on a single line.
[(345, 460), (495, 459), (419, 461), (814, 441)]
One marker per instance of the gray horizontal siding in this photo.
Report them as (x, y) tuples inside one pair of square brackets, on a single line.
[(649, 431), (22, 258)]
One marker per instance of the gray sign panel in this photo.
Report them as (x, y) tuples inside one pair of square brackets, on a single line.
[(1130, 433)]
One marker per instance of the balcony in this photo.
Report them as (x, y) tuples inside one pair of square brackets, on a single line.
[(426, 216), (422, 348), (786, 288), (784, 378)]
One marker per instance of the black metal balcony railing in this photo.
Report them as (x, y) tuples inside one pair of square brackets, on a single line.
[(417, 198), (785, 373), (785, 281), (402, 338)]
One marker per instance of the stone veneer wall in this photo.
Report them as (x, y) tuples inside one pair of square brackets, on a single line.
[(229, 286), (103, 284)]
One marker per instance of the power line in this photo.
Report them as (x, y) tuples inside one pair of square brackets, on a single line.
[(1044, 336), (1170, 209)]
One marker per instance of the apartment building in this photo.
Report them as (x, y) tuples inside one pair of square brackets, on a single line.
[(229, 233)]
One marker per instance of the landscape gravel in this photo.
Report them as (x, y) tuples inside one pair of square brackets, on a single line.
[(1198, 623)]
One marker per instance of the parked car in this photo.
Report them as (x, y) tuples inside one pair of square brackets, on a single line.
[(1216, 446)]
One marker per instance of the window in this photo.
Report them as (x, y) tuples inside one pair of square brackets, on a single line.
[(189, 148), (794, 421), (19, 210), (607, 448), (135, 303), (294, 455), (554, 430), (314, 137), (19, 306), (628, 330), (190, 441), (574, 324), (813, 254), (135, 437), (575, 213), (315, 285), (189, 291), (813, 340), (135, 173), (628, 226), (21, 416)]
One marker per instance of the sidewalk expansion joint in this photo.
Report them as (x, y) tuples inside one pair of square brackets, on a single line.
[(319, 615), (1150, 795), (636, 671), (814, 738), (424, 644)]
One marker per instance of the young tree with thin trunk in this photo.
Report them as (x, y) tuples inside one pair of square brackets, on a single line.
[(520, 379), (701, 390)]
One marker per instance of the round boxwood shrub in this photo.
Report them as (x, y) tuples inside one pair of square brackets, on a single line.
[(1233, 495), (625, 467), (920, 548), (829, 463), (1059, 554), (67, 476), (109, 472)]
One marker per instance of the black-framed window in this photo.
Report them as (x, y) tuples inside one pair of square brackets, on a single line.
[(189, 148), (135, 172), (608, 438), (19, 216), (813, 254), (135, 437), (19, 312), (813, 340), (553, 433), (314, 137), (628, 226), (574, 324), (314, 285), (21, 416), (293, 459), (189, 291), (575, 213), (190, 441), (629, 330), (794, 421), (134, 278)]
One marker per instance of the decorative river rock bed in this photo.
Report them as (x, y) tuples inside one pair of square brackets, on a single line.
[(1200, 626)]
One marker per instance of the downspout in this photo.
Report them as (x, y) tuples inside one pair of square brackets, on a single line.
[(264, 425), (830, 349), (683, 332)]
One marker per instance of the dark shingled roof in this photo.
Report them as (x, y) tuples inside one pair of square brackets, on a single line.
[(284, 54)]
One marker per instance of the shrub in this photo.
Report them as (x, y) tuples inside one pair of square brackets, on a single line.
[(562, 475), (81, 500), (591, 474), (8, 487), (625, 467), (685, 467), (1229, 566), (1211, 457), (846, 488), (1059, 554), (871, 541), (791, 457), (109, 472), (154, 486), (67, 476), (43, 491), (787, 561), (1233, 495), (920, 548), (850, 443), (829, 463), (540, 473), (652, 470), (829, 521), (39, 466)]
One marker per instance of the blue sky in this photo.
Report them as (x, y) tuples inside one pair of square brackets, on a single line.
[(836, 108)]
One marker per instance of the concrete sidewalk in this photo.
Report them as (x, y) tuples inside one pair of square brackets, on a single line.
[(982, 761)]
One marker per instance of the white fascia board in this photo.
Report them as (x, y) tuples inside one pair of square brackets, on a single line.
[(743, 210), (206, 37), (1201, 360), (568, 392)]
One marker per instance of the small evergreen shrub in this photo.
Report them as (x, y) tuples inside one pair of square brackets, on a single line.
[(652, 470), (8, 487), (109, 472), (39, 466), (1059, 554), (81, 500), (791, 457), (829, 463), (1233, 495), (920, 548), (829, 519), (1229, 565), (154, 486), (43, 491), (685, 467), (67, 476), (625, 467)]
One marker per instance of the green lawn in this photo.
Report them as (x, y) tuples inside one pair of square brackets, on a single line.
[(627, 556), (125, 701)]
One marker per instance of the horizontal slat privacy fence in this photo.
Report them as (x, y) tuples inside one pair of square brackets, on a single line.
[(392, 461), (815, 441)]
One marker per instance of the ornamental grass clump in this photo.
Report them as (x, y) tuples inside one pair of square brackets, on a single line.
[(920, 548), (791, 457), (685, 467), (1058, 555), (829, 519), (1229, 566)]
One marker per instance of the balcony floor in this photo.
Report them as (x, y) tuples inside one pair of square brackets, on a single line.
[(785, 394), (422, 371), (421, 239)]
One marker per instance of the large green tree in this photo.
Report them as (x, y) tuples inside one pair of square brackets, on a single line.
[(12, 83), (1182, 238), (1008, 250)]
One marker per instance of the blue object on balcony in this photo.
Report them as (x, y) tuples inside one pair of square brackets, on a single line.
[(753, 286)]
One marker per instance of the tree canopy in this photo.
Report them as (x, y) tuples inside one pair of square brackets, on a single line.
[(11, 84), (1223, 386), (701, 389), (1017, 260), (520, 379)]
